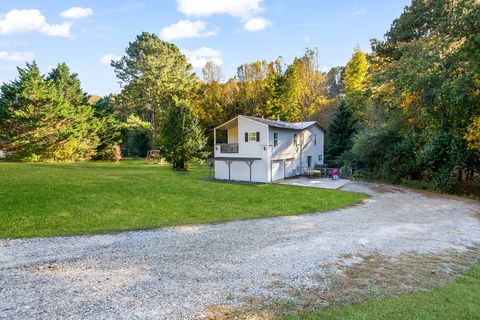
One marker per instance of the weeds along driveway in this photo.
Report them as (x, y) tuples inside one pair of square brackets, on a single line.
[(183, 272)]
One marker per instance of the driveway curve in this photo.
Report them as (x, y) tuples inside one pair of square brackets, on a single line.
[(177, 273)]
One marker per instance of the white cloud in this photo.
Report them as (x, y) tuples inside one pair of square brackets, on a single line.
[(76, 13), (246, 10), (17, 56), (199, 57), (236, 8), (107, 58), (27, 21), (256, 24), (186, 29)]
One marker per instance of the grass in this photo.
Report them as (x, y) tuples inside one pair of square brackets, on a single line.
[(457, 300), (85, 198)]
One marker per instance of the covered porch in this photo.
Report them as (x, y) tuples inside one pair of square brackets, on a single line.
[(225, 138)]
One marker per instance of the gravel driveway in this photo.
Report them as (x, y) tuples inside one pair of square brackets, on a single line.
[(176, 273)]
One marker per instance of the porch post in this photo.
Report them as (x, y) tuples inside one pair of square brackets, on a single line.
[(229, 162), (249, 163)]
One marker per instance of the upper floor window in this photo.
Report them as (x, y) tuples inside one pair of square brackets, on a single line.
[(275, 139), (315, 139), (295, 139), (252, 136)]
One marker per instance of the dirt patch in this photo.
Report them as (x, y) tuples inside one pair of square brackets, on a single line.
[(356, 279)]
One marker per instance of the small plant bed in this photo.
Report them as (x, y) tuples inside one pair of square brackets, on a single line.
[(85, 198)]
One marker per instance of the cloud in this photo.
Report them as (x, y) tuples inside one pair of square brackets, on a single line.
[(76, 13), (108, 57), (28, 21), (199, 57), (186, 29), (256, 24), (17, 56), (246, 10), (236, 8)]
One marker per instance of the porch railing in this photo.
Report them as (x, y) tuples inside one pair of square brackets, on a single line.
[(229, 148)]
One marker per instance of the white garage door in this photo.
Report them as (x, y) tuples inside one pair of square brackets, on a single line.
[(277, 170), (289, 166)]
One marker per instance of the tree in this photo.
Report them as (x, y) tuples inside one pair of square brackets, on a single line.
[(354, 82), (68, 85), (473, 135), (306, 91), (182, 137), (153, 73), (334, 82), (340, 132), (38, 123), (212, 72)]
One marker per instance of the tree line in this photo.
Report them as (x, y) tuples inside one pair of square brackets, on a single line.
[(408, 110)]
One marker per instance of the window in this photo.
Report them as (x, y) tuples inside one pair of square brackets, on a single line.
[(320, 157), (295, 139), (252, 136), (275, 139), (315, 139)]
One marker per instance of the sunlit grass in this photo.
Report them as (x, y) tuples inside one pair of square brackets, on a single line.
[(78, 198)]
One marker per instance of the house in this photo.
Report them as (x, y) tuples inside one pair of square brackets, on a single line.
[(260, 150)]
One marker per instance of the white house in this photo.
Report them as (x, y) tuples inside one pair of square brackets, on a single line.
[(260, 150)]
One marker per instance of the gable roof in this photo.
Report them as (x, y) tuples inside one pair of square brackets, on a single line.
[(284, 124)]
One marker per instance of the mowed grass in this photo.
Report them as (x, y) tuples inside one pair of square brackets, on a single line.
[(457, 300), (84, 198)]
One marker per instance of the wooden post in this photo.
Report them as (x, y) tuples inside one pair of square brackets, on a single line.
[(229, 162), (249, 163), (210, 165)]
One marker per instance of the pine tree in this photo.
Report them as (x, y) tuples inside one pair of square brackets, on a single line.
[(182, 137), (340, 132), (37, 123), (68, 84)]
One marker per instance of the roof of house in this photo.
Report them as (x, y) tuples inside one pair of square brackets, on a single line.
[(284, 124)]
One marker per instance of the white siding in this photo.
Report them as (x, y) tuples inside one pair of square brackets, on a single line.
[(287, 155), (239, 170), (310, 149)]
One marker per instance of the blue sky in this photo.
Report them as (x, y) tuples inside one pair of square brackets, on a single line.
[(86, 34)]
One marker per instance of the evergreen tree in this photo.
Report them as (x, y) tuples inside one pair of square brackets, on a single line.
[(182, 137), (68, 85), (38, 124), (340, 132), (153, 74)]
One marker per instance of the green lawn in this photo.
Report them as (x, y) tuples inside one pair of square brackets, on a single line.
[(78, 198), (460, 300)]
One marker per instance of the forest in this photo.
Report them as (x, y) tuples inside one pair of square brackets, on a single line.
[(406, 112)]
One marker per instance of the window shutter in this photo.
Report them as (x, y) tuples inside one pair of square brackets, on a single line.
[(258, 136), (246, 136)]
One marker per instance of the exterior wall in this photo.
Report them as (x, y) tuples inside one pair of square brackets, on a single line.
[(310, 149), (286, 149), (291, 156), (233, 135), (239, 170)]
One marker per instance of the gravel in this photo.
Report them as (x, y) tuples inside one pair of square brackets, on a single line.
[(176, 273)]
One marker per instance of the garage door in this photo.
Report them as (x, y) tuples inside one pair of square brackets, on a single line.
[(277, 170), (289, 166)]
